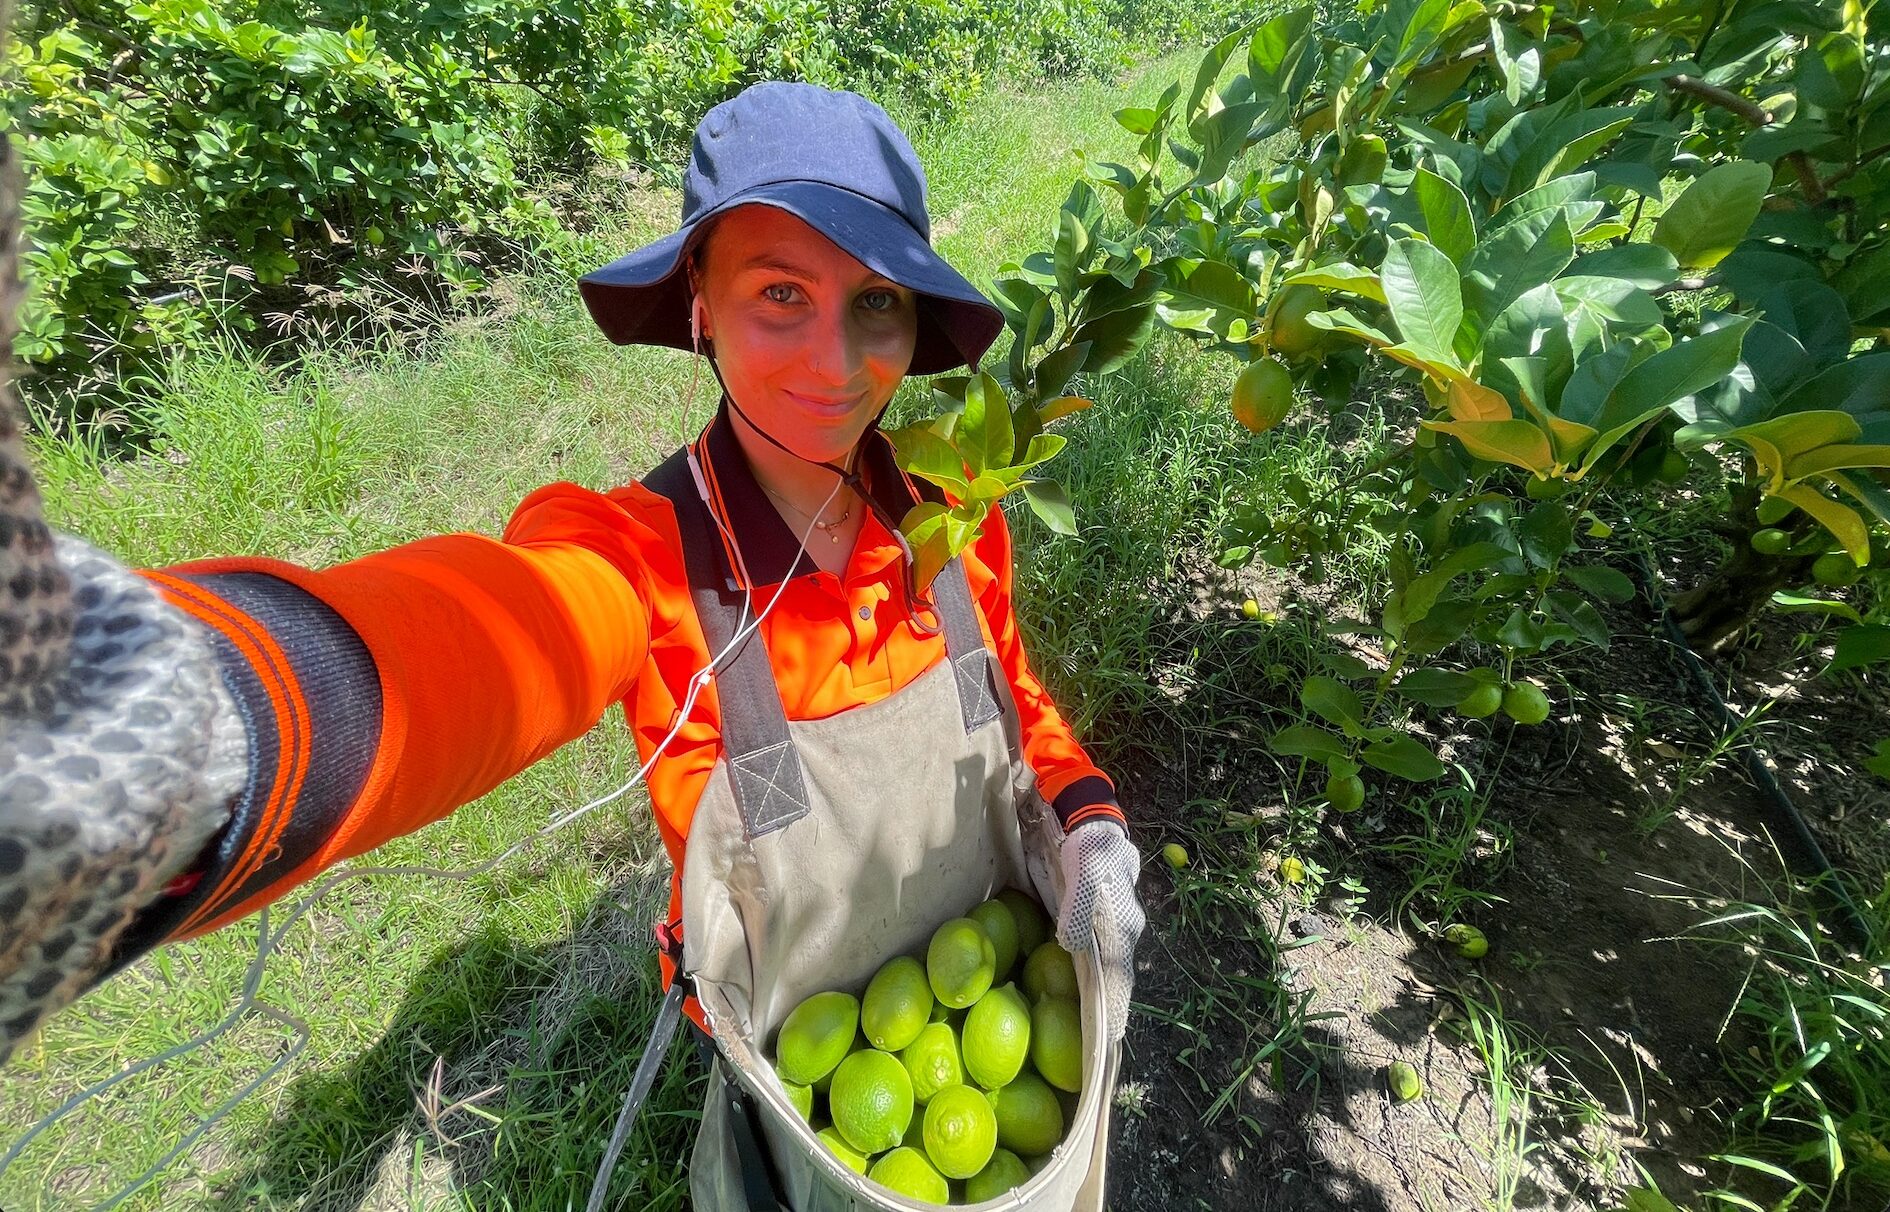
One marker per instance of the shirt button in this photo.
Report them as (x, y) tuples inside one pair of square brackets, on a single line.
[(866, 612)]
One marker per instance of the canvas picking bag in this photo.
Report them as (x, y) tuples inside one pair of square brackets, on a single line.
[(822, 848)]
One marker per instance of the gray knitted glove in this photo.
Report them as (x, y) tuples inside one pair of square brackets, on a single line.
[(114, 772), (1100, 864)]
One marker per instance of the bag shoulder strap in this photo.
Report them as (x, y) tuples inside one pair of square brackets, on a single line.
[(764, 767)]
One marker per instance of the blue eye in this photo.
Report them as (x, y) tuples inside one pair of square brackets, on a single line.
[(880, 300), (780, 292)]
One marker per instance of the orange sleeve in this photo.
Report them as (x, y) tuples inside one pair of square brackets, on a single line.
[(480, 657), (1066, 776)]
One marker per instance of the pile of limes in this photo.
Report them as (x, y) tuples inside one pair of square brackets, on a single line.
[(947, 1079)]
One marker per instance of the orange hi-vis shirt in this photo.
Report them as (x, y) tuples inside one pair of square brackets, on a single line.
[(383, 693)]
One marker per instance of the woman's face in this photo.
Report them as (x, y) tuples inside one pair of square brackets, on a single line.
[(811, 343)]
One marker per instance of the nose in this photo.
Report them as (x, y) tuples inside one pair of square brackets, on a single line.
[(835, 346)]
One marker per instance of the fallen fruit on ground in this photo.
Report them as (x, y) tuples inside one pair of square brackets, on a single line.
[(909, 1173), (960, 1131), (960, 962), (816, 1036), (1263, 395), (1468, 941), (1402, 1077), (1292, 870), (1003, 1172), (1250, 609), (1049, 972), (871, 1100), (1175, 855), (897, 1005)]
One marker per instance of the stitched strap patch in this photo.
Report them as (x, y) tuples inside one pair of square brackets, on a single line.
[(972, 665)]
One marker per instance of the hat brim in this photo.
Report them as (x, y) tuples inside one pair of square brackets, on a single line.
[(642, 298)]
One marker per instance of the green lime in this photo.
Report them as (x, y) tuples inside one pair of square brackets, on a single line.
[(1263, 394), (1289, 332), (1525, 703), (1002, 1173), (1481, 702), (1250, 609), (816, 1036), (837, 1145), (1056, 1042), (871, 1100), (1771, 541), (960, 962), (897, 1005), (996, 1037), (1345, 792), (1468, 941), (932, 1061), (995, 917), (1402, 1077), (960, 1131), (1674, 467), (1175, 855), (1033, 926), (802, 1097), (1834, 570), (1049, 972), (1029, 1117), (907, 1172), (1292, 870)]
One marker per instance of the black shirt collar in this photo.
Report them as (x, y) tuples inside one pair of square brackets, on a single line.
[(764, 547)]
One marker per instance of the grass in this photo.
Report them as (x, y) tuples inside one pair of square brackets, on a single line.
[(512, 1005)]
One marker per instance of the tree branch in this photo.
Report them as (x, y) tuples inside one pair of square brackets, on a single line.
[(1756, 114)]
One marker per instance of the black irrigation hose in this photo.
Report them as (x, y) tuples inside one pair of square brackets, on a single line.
[(1760, 772)]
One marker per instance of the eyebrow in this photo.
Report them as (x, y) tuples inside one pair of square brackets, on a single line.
[(779, 264)]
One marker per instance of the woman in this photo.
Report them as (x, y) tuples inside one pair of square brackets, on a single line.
[(205, 748)]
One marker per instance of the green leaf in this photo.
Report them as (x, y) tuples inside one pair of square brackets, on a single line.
[(1861, 645), (1404, 756), (1307, 740), (984, 431), (1517, 58), (1057, 369), (923, 453), (1436, 687), (1341, 276), (1115, 338), (1517, 259), (1409, 605), (1709, 219), (1608, 584), (1672, 374), (1050, 502), (1136, 121), (1797, 603), (1446, 213), (1516, 442), (1332, 701), (1425, 297), (1547, 533), (1209, 71), (1648, 266), (1841, 520)]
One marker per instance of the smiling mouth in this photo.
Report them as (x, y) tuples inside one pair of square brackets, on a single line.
[(825, 407)]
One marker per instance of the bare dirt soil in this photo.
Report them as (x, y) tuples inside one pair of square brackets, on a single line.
[(1602, 821)]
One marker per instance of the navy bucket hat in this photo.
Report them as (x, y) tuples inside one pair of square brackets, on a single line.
[(835, 161)]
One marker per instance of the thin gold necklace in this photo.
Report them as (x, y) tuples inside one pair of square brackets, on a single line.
[(830, 529)]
